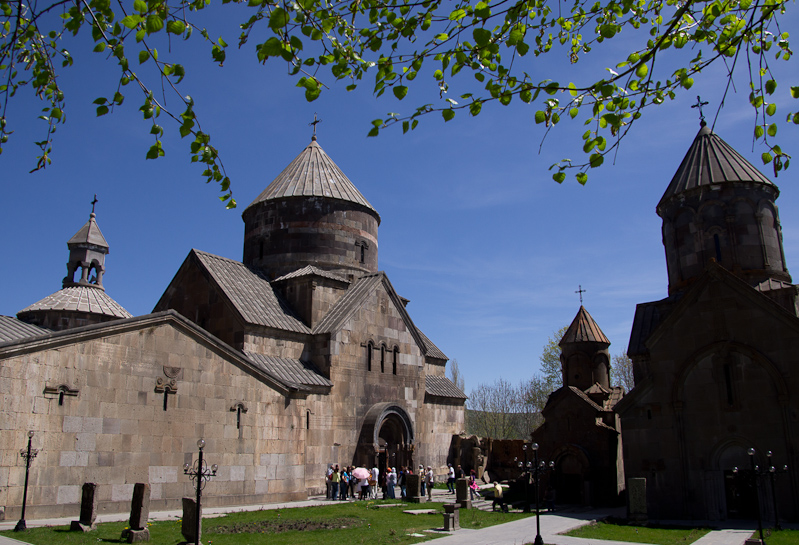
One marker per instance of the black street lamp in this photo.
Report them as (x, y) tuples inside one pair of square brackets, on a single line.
[(29, 454), (200, 474), (772, 473), (537, 469)]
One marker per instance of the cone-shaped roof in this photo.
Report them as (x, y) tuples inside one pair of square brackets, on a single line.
[(89, 234), (313, 174), (709, 161), (86, 299), (583, 329)]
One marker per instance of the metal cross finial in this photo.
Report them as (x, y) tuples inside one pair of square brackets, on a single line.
[(94, 202), (580, 291), (699, 105), (314, 123)]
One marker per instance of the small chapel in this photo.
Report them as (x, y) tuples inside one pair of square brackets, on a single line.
[(301, 355), (714, 413)]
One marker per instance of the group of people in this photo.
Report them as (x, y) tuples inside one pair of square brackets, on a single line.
[(343, 484)]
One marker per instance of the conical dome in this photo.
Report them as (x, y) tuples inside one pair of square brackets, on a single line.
[(719, 206), (311, 214), (585, 360), (313, 174), (711, 161)]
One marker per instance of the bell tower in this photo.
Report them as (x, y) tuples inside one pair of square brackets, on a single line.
[(584, 357), (87, 251)]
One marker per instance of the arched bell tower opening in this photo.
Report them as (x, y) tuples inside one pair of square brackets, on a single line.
[(386, 438)]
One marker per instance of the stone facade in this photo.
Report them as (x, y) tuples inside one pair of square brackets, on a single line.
[(301, 357), (714, 362)]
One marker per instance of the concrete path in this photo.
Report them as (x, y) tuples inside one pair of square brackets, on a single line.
[(517, 532)]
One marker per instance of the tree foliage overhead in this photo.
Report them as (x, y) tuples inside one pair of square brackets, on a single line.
[(480, 51)]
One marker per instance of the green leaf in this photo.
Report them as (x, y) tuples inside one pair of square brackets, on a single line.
[(140, 6), (759, 131), (155, 151), (475, 107), (771, 109), (99, 47), (405, 127), (642, 71), (131, 21), (102, 110), (278, 19), (154, 23), (766, 157), (795, 92), (582, 177), (175, 27), (772, 130), (771, 86), (596, 160), (448, 114), (400, 91), (457, 15), (540, 117), (559, 177), (143, 56), (481, 36)]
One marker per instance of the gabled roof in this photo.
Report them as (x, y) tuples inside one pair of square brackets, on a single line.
[(288, 370), (52, 340), (353, 300), (710, 161), (313, 174), (12, 329), (442, 387), (647, 318), (250, 293), (88, 299), (583, 329), (717, 273), (310, 270), (89, 234)]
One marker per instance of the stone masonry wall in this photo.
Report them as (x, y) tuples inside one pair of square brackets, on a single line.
[(116, 433)]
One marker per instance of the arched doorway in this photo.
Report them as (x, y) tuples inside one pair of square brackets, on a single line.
[(571, 469), (386, 438)]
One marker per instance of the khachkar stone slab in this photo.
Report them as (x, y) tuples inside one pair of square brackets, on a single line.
[(139, 513), (413, 487), (462, 493), (636, 501), (88, 510), (189, 526), (452, 519)]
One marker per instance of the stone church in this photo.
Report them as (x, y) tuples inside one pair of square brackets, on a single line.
[(581, 432), (714, 361), (300, 356)]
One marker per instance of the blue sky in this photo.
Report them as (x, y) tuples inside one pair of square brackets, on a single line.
[(488, 249)]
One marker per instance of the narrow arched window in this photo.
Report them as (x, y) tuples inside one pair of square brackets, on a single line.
[(717, 244), (382, 359), (369, 349), (395, 360)]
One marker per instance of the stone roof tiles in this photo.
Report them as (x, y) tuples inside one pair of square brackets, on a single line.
[(583, 329), (310, 270), (709, 161), (432, 350), (250, 294), (442, 387), (89, 234), (289, 370), (313, 174), (80, 299), (12, 329)]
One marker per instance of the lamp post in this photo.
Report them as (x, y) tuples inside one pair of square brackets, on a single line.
[(755, 478), (772, 473), (538, 469), (28, 454), (200, 474)]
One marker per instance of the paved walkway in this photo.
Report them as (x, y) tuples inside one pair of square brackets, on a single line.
[(517, 532)]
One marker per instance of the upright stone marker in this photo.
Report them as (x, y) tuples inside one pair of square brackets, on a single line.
[(139, 513), (88, 510), (462, 493), (452, 519), (636, 501), (188, 527), (413, 487)]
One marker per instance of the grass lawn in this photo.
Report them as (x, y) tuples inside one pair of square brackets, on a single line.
[(349, 523), (640, 534), (779, 537)]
